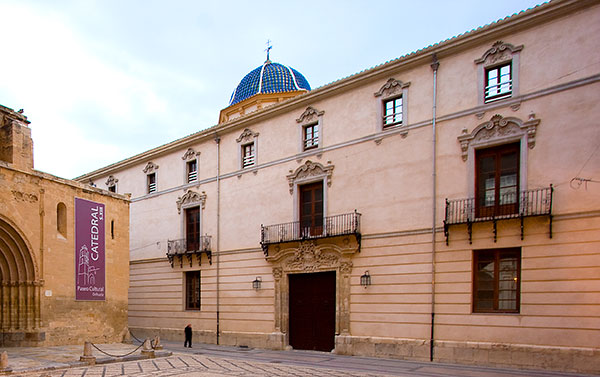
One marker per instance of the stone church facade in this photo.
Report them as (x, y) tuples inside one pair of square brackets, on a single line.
[(441, 206), (38, 269)]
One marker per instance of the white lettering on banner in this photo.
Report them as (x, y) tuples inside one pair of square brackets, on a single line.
[(94, 233)]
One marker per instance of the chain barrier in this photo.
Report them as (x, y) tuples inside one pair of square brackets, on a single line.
[(141, 341), (135, 337), (108, 354)]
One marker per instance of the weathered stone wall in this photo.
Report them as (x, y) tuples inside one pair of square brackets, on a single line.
[(38, 295)]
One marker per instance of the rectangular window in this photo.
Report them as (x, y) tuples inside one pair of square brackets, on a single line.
[(497, 180), (151, 183), (192, 171), (496, 280), (498, 83), (311, 136), (392, 115), (192, 228), (311, 209), (248, 155), (112, 188), (192, 290)]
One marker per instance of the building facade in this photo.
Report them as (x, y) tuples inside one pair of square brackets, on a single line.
[(441, 206), (57, 288)]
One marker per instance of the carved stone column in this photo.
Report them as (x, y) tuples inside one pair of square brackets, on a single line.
[(5, 306), (22, 288), (277, 274), (13, 304), (37, 308), (344, 297)]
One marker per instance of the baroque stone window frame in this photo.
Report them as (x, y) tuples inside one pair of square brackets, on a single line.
[(310, 257), (247, 137), (189, 156), (309, 172), (499, 54), (392, 90), (310, 117), (498, 131), (151, 168), (190, 199), (111, 182)]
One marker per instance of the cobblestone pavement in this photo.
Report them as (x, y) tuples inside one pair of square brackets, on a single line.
[(195, 365), (205, 360)]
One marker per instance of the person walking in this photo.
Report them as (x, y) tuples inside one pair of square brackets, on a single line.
[(188, 336)]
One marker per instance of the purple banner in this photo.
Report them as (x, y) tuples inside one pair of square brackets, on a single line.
[(89, 251)]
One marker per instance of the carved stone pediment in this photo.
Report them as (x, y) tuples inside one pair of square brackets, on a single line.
[(500, 52), (150, 167), (310, 169), (499, 129), (190, 154), (308, 258), (111, 181), (247, 135), (310, 115), (313, 255), (189, 198), (391, 87)]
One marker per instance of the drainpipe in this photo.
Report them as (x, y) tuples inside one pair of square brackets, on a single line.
[(217, 249), (434, 66)]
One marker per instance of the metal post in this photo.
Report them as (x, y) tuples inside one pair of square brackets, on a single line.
[(434, 66)]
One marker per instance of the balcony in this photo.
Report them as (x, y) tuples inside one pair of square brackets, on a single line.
[(528, 203), (333, 226), (188, 248)]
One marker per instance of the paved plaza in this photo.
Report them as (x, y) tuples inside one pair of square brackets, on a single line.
[(212, 360)]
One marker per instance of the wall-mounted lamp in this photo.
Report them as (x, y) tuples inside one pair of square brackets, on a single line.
[(365, 279), (256, 283)]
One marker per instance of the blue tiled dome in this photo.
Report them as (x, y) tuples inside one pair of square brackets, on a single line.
[(269, 78)]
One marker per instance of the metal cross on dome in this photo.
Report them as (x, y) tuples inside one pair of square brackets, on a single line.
[(268, 49)]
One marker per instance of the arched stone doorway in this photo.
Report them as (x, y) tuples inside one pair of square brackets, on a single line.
[(20, 290)]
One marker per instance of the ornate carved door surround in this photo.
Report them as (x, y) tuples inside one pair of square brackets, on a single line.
[(329, 254)]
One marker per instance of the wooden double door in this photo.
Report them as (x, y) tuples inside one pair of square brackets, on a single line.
[(312, 311)]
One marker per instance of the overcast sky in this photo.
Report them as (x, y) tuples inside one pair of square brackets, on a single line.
[(103, 80)]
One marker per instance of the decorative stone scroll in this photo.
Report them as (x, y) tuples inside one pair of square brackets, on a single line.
[(308, 258), (498, 53), (191, 197), (111, 181), (497, 130), (391, 88), (150, 167), (190, 154), (310, 115), (247, 135), (310, 169)]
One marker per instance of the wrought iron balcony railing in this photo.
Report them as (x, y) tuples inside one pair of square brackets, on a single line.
[(536, 202), (189, 247), (338, 225)]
